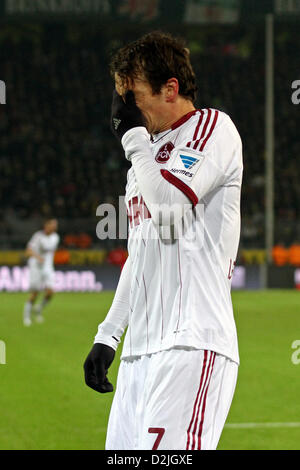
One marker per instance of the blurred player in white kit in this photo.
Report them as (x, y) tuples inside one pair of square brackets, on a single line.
[(180, 356), (40, 252)]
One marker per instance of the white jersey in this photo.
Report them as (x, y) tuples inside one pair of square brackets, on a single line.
[(45, 246), (180, 287)]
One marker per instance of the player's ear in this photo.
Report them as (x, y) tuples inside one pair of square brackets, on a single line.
[(171, 90)]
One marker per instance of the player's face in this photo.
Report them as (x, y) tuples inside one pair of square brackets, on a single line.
[(151, 105), (51, 226)]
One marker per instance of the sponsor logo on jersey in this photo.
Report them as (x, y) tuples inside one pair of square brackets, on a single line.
[(182, 172), (188, 161), (164, 153), (186, 164)]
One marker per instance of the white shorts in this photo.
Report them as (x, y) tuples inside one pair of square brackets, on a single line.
[(171, 400), (40, 279)]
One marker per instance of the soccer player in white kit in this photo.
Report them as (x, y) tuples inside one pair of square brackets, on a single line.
[(40, 251), (180, 356)]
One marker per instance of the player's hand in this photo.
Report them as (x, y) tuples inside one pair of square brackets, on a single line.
[(125, 115), (96, 366)]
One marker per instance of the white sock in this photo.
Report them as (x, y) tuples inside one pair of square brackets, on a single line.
[(27, 310), (41, 305)]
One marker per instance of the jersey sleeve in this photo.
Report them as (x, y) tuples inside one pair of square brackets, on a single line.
[(198, 171), (192, 171), (112, 328), (57, 241)]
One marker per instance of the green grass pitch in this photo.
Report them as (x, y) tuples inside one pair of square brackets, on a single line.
[(45, 404)]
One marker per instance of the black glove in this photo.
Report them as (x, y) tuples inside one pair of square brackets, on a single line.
[(125, 115), (96, 366)]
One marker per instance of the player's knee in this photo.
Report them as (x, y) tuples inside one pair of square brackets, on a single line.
[(49, 293), (33, 296)]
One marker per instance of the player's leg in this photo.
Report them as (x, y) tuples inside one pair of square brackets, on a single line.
[(48, 294), (215, 404), (186, 400), (34, 288), (122, 425), (167, 398), (48, 282), (28, 307)]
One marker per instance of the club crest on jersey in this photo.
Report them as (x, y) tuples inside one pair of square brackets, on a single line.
[(164, 153)]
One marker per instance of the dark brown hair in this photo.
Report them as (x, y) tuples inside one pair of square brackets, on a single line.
[(157, 56)]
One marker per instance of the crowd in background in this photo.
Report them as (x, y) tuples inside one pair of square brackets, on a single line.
[(58, 156)]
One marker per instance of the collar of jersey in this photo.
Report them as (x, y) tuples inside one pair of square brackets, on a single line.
[(182, 120)]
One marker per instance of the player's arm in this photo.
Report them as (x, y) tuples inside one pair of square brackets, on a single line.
[(56, 245), (169, 190), (30, 252), (128, 125), (109, 335), (218, 164), (57, 242), (31, 249)]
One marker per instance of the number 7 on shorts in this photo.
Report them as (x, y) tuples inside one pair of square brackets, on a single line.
[(160, 432)]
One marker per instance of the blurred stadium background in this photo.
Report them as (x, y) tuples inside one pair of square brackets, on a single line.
[(58, 157)]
